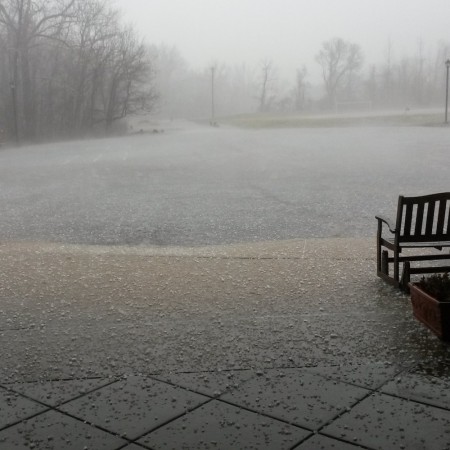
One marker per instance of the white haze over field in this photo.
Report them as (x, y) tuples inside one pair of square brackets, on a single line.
[(288, 32)]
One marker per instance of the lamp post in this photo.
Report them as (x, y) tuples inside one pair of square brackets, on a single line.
[(14, 111), (447, 65), (213, 113), (14, 63)]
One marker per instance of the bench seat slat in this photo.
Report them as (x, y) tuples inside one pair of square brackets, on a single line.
[(430, 218), (419, 219), (408, 220), (441, 217), (418, 244)]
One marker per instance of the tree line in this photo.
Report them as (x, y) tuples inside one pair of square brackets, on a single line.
[(71, 68), (417, 80), (68, 67), (347, 82)]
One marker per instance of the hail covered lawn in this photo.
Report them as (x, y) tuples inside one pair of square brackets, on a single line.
[(195, 186)]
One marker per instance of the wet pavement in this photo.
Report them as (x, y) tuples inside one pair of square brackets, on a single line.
[(273, 345), (198, 185)]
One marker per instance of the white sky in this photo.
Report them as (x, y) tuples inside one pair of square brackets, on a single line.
[(288, 32)]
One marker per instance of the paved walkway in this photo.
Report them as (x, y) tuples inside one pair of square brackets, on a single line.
[(276, 345)]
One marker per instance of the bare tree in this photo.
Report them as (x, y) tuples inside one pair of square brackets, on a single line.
[(127, 86), (371, 86), (268, 78), (96, 25), (25, 22), (68, 67), (170, 71), (300, 89), (387, 79), (409, 81), (239, 96), (339, 59)]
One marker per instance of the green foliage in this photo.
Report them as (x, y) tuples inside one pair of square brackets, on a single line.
[(438, 286)]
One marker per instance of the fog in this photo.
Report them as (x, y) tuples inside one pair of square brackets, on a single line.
[(290, 32), (403, 46), (74, 68)]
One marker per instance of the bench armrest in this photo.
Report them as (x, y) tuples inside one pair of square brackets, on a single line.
[(387, 222)]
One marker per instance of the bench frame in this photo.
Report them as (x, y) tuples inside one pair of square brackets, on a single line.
[(422, 223)]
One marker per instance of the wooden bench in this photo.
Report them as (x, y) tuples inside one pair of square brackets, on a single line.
[(422, 223)]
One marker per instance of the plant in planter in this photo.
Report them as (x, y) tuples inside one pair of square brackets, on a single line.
[(430, 298)]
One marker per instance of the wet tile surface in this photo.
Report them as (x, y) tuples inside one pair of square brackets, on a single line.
[(54, 393), (300, 397), (289, 348), (421, 388), (82, 356), (364, 374), (14, 407), (133, 447), (55, 431), (134, 406), (210, 383), (384, 422), (320, 442), (221, 426)]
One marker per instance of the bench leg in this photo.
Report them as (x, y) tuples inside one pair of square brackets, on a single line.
[(385, 262), (378, 255), (396, 268), (406, 277)]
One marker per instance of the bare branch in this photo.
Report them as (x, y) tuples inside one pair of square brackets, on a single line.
[(61, 14)]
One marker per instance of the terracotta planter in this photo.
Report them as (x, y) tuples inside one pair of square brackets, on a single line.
[(431, 312)]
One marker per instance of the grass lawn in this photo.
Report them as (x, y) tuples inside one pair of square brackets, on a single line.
[(344, 120)]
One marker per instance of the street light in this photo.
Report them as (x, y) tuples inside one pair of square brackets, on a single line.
[(12, 85), (13, 61), (213, 118), (447, 65)]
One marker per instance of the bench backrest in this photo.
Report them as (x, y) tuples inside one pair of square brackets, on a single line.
[(423, 219)]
